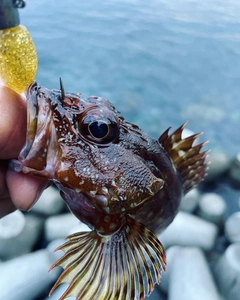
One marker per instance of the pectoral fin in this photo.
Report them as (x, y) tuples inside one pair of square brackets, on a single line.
[(124, 265)]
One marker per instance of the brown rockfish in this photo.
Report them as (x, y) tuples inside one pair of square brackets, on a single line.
[(123, 184)]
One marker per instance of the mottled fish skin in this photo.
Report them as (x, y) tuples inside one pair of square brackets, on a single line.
[(114, 178)]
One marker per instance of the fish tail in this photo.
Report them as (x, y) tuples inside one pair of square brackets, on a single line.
[(124, 265)]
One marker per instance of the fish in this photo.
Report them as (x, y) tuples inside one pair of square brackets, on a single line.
[(123, 184)]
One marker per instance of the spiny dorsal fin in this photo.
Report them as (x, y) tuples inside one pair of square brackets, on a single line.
[(124, 265), (187, 159)]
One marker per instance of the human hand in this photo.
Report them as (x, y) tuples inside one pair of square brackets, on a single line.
[(17, 190)]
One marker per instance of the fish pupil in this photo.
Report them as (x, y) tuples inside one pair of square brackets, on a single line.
[(98, 129)]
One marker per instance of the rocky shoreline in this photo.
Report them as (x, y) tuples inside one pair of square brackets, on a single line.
[(202, 243)]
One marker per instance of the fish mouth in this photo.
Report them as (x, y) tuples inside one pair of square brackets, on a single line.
[(32, 119), (39, 152)]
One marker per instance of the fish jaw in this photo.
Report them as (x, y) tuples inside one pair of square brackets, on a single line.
[(40, 152)]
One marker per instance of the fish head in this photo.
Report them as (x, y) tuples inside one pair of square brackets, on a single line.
[(85, 146), (57, 122)]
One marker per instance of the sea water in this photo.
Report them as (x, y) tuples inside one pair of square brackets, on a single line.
[(160, 62)]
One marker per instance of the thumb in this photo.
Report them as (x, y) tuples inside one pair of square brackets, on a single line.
[(13, 122)]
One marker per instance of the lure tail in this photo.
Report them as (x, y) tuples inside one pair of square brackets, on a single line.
[(124, 265)]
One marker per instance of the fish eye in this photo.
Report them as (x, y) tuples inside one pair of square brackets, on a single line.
[(99, 130)]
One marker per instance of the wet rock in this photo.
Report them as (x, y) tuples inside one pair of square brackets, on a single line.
[(218, 164), (227, 272), (189, 230), (25, 240), (232, 228), (79, 228), (25, 277), (50, 203), (58, 227), (156, 294), (190, 277), (212, 208), (55, 255), (187, 132), (12, 225), (59, 292), (190, 201), (171, 254)]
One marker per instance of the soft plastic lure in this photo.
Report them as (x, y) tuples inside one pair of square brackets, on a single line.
[(18, 57)]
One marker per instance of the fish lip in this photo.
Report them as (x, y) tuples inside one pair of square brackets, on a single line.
[(32, 119)]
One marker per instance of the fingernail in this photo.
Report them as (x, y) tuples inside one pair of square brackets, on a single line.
[(15, 165)]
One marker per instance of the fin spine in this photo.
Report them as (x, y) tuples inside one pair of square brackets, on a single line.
[(125, 265), (185, 156)]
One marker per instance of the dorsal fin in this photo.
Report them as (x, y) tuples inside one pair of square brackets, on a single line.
[(187, 159)]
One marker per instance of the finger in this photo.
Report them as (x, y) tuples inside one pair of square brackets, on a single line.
[(25, 189), (13, 122), (3, 184)]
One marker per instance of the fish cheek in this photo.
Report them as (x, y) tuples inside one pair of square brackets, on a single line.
[(138, 184), (74, 168)]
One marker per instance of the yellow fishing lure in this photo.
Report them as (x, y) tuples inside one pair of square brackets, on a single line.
[(18, 57)]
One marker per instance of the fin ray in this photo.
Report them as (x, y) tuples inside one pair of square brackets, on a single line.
[(124, 265), (186, 157)]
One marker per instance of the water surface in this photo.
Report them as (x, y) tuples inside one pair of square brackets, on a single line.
[(160, 62)]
